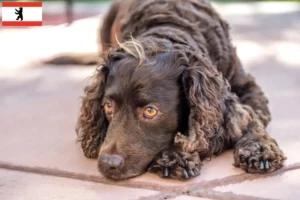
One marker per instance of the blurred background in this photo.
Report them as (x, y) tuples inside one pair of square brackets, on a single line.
[(262, 18)]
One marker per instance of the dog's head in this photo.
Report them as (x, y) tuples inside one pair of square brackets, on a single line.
[(140, 98)]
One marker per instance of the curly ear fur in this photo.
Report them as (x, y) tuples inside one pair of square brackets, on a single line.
[(92, 124), (205, 89)]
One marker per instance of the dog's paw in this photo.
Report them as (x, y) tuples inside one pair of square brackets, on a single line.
[(259, 156), (171, 164)]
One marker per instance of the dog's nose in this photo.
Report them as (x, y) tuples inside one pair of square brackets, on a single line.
[(111, 161)]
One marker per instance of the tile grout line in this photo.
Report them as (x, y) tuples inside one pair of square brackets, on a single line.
[(233, 179), (166, 191), (212, 194), (160, 196), (208, 186), (82, 177), (206, 193)]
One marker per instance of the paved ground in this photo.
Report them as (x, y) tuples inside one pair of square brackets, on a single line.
[(39, 157)]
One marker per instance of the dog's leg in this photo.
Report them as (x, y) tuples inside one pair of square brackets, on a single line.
[(249, 92), (173, 163), (254, 150), (257, 152)]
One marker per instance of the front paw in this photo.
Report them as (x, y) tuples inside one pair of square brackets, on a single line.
[(259, 156), (172, 164)]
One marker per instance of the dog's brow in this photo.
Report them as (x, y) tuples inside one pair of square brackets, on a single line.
[(111, 94), (142, 98)]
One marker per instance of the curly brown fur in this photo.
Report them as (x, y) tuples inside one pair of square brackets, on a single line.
[(182, 63), (92, 123)]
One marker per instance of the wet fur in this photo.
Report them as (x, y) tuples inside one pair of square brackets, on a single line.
[(223, 105)]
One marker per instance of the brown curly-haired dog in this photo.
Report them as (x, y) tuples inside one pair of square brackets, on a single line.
[(171, 92)]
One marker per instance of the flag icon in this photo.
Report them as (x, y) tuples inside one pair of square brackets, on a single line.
[(22, 14)]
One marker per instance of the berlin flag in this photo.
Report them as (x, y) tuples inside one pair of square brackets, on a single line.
[(22, 14)]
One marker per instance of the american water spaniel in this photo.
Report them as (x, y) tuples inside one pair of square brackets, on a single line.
[(170, 92)]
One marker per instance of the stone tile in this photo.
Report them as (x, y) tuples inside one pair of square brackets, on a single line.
[(185, 197), (26, 186), (39, 118), (284, 186)]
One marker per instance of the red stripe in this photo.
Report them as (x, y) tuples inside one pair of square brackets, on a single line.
[(22, 4), (23, 23)]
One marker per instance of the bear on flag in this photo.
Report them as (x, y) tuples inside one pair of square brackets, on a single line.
[(22, 14)]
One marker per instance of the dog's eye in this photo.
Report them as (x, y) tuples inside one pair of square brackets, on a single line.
[(150, 112), (108, 108)]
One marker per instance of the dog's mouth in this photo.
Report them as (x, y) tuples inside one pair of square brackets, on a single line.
[(119, 174)]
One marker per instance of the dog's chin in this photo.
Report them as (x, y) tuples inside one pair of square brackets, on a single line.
[(118, 175), (121, 174)]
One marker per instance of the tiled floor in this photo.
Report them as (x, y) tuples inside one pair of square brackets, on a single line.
[(20, 186), (39, 156)]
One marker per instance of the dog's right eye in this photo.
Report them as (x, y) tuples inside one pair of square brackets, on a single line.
[(108, 108)]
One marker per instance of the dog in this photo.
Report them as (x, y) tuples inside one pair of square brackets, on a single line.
[(170, 92)]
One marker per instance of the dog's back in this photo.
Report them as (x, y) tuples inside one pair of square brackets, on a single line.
[(193, 23), (189, 22)]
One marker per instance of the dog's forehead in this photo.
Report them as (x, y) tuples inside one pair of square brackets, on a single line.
[(126, 72), (147, 81)]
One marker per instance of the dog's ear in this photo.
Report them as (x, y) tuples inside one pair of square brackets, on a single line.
[(204, 87), (92, 124)]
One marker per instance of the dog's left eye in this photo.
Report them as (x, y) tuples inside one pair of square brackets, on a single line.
[(150, 112)]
